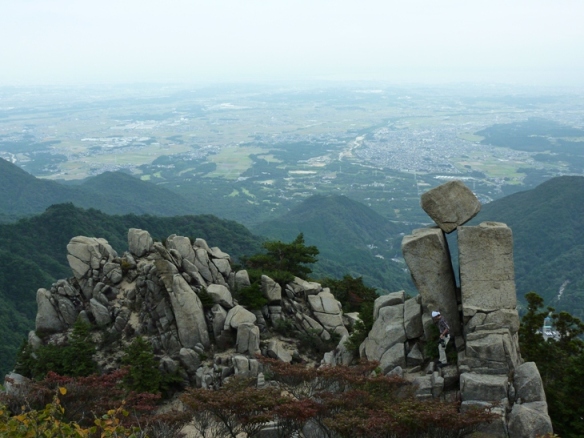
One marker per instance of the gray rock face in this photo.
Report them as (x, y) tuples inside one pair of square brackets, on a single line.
[(394, 356), (303, 287), (415, 356), (271, 290), (529, 420), (66, 309), (15, 384), (387, 300), (388, 330), (325, 302), (237, 316), (276, 350), (424, 387), (222, 266), (528, 384), (450, 205), (487, 275), (139, 241), (220, 295), (428, 259), (492, 352), (87, 253), (248, 339), (219, 316), (183, 246), (190, 360), (188, 311), (413, 318), (483, 387), (246, 367), (504, 318), (100, 313), (47, 318), (242, 279)]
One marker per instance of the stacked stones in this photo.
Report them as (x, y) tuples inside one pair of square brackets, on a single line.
[(482, 314), (155, 291)]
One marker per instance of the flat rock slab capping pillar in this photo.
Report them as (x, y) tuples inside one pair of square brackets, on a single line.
[(426, 254), (450, 205), (487, 275)]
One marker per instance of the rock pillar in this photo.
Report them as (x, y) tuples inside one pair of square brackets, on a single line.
[(428, 259)]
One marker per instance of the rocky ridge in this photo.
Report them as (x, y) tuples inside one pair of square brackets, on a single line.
[(156, 289), (482, 314)]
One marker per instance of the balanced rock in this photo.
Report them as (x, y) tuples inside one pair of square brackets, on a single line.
[(450, 205)]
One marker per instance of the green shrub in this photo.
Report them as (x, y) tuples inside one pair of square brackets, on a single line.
[(284, 326), (251, 297), (311, 342), (205, 298), (362, 327), (143, 373), (74, 359)]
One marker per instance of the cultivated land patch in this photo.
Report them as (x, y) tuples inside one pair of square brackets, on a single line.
[(232, 161)]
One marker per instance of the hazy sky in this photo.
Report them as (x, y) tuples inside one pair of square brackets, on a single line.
[(417, 41)]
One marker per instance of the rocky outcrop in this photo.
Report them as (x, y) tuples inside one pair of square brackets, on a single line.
[(428, 258), (182, 296), (159, 290), (482, 315)]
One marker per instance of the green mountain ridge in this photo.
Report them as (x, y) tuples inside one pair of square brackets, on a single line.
[(352, 239), (111, 192)]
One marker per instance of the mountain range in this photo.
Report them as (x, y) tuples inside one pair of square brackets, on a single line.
[(353, 239), (23, 194)]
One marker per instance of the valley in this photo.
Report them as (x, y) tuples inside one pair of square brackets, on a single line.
[(252, 152)]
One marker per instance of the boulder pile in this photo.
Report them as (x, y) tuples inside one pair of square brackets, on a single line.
[(181, 295), (155, 290), (482, 315)]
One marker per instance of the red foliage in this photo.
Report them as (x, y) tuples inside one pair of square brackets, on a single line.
[(342, 401)]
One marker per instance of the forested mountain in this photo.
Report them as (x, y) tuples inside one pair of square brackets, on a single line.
[(548, 234), (111, 192), (33, 254), (351, 237)]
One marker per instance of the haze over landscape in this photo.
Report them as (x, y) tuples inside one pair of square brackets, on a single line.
[(320, 123), (523, 42)]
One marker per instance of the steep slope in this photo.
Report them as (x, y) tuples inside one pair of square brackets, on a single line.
[(23, 194), (112, 192), (33, 255), (351, 237), (132, 195), (548, 232)]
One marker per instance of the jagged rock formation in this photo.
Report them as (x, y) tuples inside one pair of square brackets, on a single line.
[(181, 296), (482, 314), (155, 291)]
